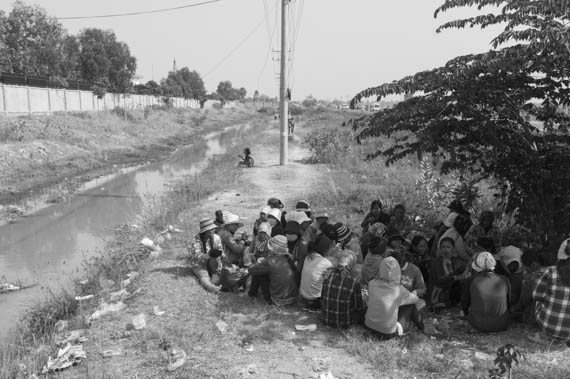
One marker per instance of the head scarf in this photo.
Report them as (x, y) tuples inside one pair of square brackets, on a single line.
[(484, 262)]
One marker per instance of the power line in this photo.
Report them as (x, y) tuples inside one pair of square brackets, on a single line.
[(270, 45), (139, 13), (235, 48)]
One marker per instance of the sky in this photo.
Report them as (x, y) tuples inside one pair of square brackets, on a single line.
[(341, 47)]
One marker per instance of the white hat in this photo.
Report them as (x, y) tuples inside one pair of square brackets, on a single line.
[(450, 220), (264, 227), (562, 250), (265, 210), (484, 261), (275, 212), (232, 219), (297, 216)]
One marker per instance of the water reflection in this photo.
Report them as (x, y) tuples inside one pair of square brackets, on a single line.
[(49, 246)]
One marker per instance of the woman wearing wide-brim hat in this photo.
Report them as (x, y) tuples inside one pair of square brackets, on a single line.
[(206, 240), (281, 270), (233, 249)]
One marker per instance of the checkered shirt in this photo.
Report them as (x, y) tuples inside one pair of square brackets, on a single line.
[(341, 294), (553, 305)]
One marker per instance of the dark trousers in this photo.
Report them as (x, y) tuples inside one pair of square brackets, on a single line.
[(408, 314), (257, 282)]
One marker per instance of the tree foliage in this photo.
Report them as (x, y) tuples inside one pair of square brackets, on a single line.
[(480, 114), (105, 61), (226, 92), (31, 42), (184, 83)]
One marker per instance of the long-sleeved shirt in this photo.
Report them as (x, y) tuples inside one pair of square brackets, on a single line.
[(463, 251), (412, 279), (282, 278), (384, 301), (553, 305), (485, 301), (200, 250), (526, 304), (341, 295), (232, 249), (354, 246)]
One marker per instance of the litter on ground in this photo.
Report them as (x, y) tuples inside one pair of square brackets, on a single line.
[(309, 327), (83, 298), (222, 326), (139, 321), (158, 312), (176, 358), (73, 337), (68, 356), (105, 308)]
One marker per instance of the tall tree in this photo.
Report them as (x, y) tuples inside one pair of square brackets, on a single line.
[(105, 61), (184, 83), (478, 113), (4, 61), (32, 43)]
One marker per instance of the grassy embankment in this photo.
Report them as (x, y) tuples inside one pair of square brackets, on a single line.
[(33, 340), (52, 156)]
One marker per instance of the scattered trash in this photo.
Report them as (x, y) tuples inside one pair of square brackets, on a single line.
[(70, 355), (118, 296), (467, 364), (83, 298), (10, 287), (105, 308), (482, 356), (139, 322), (84, 282), (309, 327), (251, 369), (130, 277), (222, 326), (158, 312), (61, 325), (156, 253), (176, 358), (329, 375), (148, 243), (73, 337), (439, 356), (111, 353)]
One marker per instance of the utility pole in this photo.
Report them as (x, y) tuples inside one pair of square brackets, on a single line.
[(283, 105)]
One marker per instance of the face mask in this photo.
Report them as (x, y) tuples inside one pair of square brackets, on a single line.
[(292, 237)]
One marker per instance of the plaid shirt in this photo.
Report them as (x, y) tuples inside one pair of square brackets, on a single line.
[(341, 295), (553, 305)]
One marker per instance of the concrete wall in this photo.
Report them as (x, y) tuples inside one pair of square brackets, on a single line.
[(20, 100)]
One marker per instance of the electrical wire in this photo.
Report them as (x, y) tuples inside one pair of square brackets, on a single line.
[(235, 48), (270, 44), (139, 13)]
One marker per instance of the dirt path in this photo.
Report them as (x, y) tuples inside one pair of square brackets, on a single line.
[(227, 335)]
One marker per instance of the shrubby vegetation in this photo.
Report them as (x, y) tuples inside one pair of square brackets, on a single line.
[(477, 116)]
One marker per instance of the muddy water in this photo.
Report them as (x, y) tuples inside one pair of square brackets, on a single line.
[(48, 247)]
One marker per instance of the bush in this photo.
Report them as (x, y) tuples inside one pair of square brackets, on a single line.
[(326, 143)]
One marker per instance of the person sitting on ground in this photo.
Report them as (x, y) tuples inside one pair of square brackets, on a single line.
[(375, 230), (274, 219), (418, 255), (260, 251), (377, 252), (347, 241), (341, 297), (395, 241), (552, 296), (305, 239), (303, 206), (312, 278), (233, 248), (375, 215), (455, 209), (281, 271), (214, 266), (262, 218), (457, 232), (485, 228), (485, 297), (293, 235), (275, 203), (524, 309), (511, 259), (411, 276), (444, 287), (329, 231), (400, 221), (323, 244), (385, 297), (205, 241)]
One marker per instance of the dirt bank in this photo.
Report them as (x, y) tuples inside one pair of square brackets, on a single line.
[(46, 159)]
